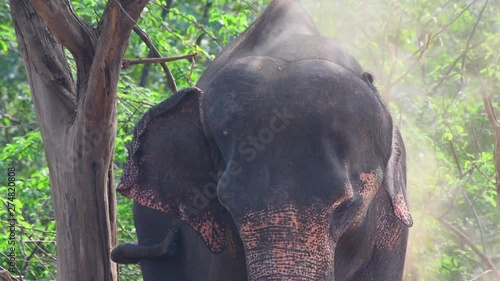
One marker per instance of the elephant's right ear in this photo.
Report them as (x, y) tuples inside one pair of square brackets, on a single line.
[(170, 167), (395, 179)]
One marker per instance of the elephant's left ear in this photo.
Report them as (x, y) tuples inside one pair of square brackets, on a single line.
[(170, 168), (395, 179)]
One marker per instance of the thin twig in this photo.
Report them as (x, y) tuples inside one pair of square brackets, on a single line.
[(455, 156), (479, 224), (468, 47), (204, 20), (199, 26), (481, 275), (456, 18), (445, 26), (485, 259), (421, 51), (5, 115), (472, 35), (144, 36), (451, 206), (476, 138), (251, 6), (396, 47)]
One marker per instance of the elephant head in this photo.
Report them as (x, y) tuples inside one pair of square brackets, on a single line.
[(291, 146)]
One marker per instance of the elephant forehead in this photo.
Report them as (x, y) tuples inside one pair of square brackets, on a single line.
[(261, 95)]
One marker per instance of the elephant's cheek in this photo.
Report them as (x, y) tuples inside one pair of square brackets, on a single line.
[(287, 243)]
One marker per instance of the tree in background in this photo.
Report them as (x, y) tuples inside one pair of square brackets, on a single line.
[(77, 120), (435, 63)]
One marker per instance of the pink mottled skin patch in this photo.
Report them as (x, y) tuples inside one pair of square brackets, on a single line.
[(370, 185), (288, 243), (389, 230), (143, 197), (388, 235), (401, 209), (211, 231)]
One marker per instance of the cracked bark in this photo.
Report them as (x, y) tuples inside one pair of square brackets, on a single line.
[(77, 122)]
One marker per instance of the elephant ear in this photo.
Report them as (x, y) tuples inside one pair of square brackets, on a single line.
[(170, 167), (395, 179)]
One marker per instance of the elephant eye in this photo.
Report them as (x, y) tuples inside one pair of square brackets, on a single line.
[(344, 214), (368, 77), (342, 209)]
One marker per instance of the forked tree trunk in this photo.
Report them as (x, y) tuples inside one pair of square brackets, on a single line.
[(77, 121)]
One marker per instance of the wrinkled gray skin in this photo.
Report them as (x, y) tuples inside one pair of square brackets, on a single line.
[(287, 167)]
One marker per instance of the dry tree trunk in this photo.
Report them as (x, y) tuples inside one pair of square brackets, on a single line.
[(77, 122)]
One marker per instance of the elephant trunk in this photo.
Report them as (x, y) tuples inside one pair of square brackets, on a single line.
[(276, 264), (129, 253), (287, 243)]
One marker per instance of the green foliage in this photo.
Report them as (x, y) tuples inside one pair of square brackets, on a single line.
[(432, 60)]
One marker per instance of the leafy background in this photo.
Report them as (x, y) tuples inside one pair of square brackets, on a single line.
[(433, 62)]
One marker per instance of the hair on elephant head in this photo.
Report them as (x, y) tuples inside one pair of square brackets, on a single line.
[(290, 151)]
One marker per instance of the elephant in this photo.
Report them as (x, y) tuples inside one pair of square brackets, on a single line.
[(178, 256), (283, 163)]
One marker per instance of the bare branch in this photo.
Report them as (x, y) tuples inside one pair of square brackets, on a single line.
[(467, 46), (476, 215), (481, 275), (7, 116), (204, 19), (422, 49), (485, 259), (455, 157), (127, 63), (490, 111), (144, 37), (251, 6), (195, 23), (445, 27)]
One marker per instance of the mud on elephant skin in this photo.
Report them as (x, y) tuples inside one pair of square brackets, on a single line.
[(288, 163)]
